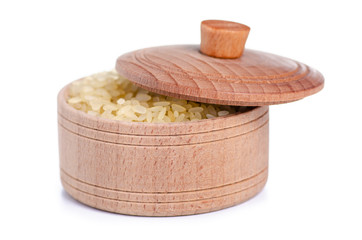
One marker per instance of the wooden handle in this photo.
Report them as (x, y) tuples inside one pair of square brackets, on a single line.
[(223, 39)]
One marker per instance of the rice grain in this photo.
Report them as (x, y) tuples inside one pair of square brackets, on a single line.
[(109, 95)]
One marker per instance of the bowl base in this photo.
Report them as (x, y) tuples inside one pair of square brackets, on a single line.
[(164, 204)]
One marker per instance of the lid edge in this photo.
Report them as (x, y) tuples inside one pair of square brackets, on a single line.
[(131, 67)]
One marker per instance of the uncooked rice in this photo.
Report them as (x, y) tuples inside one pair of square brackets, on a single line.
[(109, 95)]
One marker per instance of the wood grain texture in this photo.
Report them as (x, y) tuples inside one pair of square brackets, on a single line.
[(162, 169), (255, 79), (223, 39)]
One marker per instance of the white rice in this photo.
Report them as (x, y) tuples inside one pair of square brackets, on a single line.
[(109, 95)]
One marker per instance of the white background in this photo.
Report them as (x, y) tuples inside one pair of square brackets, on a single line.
[(315, 183)]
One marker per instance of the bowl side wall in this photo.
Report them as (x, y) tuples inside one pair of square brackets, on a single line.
[(162, 169)]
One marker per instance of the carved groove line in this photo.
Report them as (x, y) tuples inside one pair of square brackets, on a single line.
[(178, 192), (186, 134), (297, 79), (159, 145), (163, 202), (198, 200)]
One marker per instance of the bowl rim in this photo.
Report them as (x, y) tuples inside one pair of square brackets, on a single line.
[(109, 125)]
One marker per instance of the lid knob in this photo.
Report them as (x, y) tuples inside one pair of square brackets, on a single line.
[(223, 39)]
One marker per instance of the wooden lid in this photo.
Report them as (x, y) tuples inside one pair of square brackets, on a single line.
[(222, 72)]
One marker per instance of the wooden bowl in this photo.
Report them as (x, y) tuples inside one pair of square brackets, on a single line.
[(162, 169)]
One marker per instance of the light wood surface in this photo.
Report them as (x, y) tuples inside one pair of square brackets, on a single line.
[(187, 168), (223, 39), (255, 79), (162, 169)]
